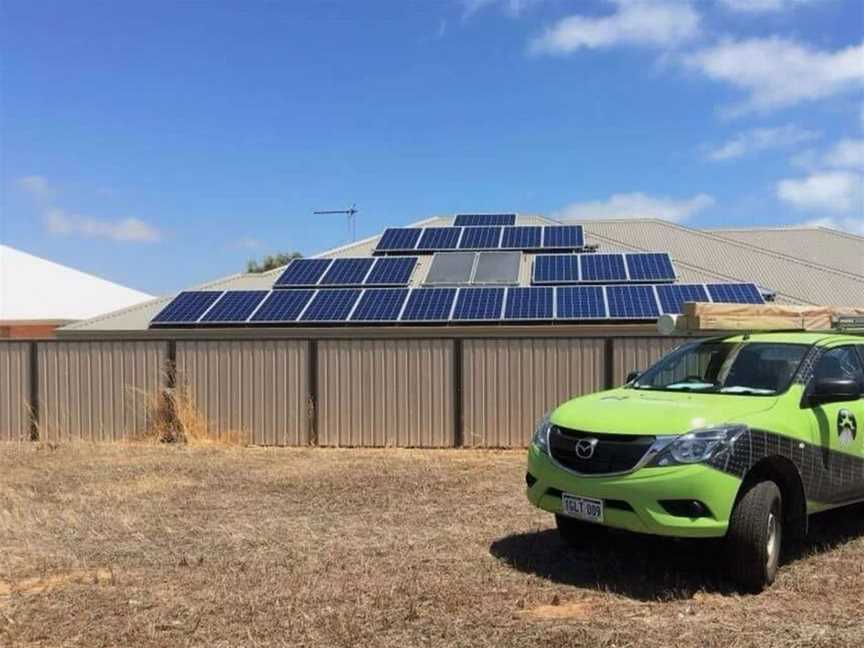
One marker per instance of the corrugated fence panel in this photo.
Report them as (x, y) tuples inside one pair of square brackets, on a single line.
[(377, 393), (637, 354), (509, 384), (256, 388), (14, 391), (98, 391)]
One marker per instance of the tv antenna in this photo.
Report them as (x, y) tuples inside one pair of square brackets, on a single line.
[(350, 213)]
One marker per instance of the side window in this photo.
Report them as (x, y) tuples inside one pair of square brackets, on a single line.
[(841, 362)]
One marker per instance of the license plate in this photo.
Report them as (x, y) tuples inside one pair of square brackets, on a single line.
[(582, 508)]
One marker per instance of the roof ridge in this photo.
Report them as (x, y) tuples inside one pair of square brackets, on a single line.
[(748, 246)]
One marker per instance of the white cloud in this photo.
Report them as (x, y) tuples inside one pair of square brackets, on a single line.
[(247, 243), (63, 223), (836, 192), (762, 6), (513, 8), (848, 224), (778, 72), (37, 187), (846, 154), (636, 205), (652, 23), (761, 139)]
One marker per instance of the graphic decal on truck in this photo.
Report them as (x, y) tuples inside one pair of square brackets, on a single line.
[(847, 426), (829, 477)]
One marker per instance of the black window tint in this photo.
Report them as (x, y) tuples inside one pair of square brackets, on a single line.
[(841, 363)]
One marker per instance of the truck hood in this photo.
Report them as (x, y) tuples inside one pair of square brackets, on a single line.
[(630, 411)]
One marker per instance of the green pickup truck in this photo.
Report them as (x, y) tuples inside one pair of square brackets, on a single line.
[(740, 437)]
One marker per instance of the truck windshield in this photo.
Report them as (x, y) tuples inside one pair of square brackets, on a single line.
[(722, 367)]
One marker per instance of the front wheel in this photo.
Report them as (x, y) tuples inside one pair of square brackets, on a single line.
[(577, 533), (755, 536)]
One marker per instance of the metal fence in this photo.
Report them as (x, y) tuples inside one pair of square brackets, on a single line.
[(412, 392)]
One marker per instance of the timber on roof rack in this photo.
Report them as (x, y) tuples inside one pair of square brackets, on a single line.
[(761, 317)]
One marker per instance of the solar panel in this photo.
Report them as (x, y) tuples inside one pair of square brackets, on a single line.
[(187, 307), (347, 272), (556, 268), (391, 271), (235, 306), (303, 272), (565, 237), (602, 267), (479, 220), (449, 268), (399, 238), (673, 296), (631, 302), (429, 305), (529, 303), (522, 237), (580, 302), (652, 266), (735, 293), (382, 305), (497, 268), (439, 238), (480, 238), (331, 305), (479, 304), (282, 306)]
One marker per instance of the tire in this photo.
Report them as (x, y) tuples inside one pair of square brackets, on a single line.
[(576, 533), (755, 537)]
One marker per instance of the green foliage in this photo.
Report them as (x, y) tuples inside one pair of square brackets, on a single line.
[(271, 261)]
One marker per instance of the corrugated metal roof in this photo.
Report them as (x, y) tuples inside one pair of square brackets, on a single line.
[(700, 256), (724, 259), (819, 245)]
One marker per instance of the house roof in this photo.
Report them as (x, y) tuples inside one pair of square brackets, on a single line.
[(820, 245), (701, 253), (699, 256), (33, 289)]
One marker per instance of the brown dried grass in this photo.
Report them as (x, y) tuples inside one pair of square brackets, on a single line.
[(177, 545), (176, 418)]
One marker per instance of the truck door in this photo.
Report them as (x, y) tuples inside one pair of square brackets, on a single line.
[(839, 429)]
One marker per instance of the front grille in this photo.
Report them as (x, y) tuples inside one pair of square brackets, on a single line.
[(613, 453)]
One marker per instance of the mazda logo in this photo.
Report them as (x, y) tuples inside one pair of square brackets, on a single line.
[(585, 448)]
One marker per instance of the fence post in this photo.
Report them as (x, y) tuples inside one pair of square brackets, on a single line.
[(458, 423), (609, 363), (33, 396), (312, 395)]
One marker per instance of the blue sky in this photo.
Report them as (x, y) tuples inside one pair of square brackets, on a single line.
[(160, 144)]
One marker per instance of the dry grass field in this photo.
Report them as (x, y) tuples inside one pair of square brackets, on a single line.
[(180, 546)]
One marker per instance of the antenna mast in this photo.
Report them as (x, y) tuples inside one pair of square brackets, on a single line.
[(352, 221)]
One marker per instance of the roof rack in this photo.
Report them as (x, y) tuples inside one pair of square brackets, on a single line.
[(848, 323), (713, 317)]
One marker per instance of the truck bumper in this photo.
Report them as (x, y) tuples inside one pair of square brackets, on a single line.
[(632, 502)]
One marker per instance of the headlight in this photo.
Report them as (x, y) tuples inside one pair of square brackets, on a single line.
[(541, 434), (699, 445)]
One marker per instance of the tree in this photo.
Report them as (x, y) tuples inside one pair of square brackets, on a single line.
[(271, 261)]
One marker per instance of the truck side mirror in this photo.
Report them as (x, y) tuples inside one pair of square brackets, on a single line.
[(834, 390), (633, 375)]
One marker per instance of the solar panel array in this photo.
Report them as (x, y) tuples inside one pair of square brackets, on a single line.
[(347, 271), (479, 220), (481, 237), (642, 267), (441, 305)]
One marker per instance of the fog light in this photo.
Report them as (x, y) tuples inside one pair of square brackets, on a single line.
[(685, 508)]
